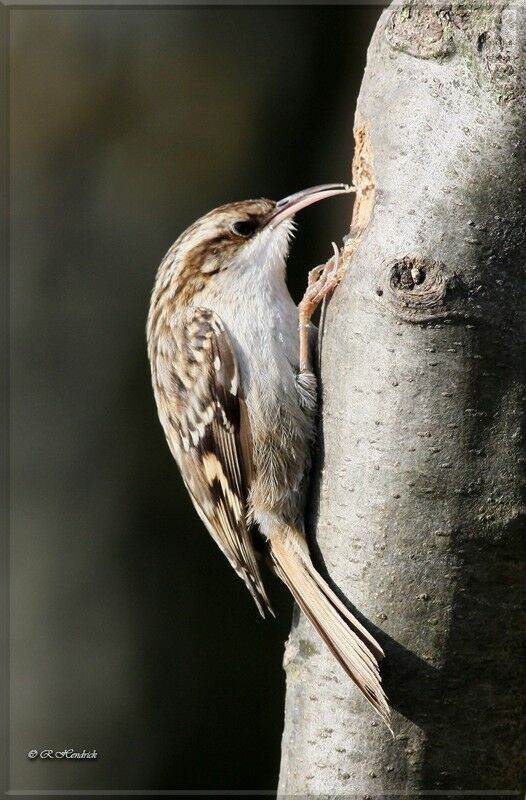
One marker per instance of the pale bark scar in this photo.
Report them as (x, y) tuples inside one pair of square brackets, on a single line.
[(363, 179)]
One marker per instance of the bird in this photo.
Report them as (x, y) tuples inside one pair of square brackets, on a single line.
[(231, 359)]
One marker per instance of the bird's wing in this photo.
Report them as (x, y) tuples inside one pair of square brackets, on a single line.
[(214, 452)]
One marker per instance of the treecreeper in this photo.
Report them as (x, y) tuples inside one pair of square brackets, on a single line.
[(231, 362)]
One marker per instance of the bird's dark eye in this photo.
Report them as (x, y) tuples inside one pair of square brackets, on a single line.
[(243, 227)]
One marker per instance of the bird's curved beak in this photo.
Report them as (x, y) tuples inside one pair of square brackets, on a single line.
[(294, 202)]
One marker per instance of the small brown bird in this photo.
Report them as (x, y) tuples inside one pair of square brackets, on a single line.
[(236, 396)]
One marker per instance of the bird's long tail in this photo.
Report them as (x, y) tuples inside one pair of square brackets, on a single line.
[(354, 647)]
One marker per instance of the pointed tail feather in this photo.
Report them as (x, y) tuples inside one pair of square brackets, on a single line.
[(352, 645)]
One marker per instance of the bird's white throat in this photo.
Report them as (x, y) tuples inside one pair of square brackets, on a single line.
[(256, 307)]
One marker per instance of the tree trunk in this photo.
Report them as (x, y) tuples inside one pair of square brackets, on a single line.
[(419, 483)]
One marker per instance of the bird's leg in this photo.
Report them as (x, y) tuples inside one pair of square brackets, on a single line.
[(321, 282)]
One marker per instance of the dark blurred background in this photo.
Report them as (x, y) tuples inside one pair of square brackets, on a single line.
[(130, 633)]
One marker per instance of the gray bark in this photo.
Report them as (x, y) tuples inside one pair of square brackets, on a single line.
[(417, 513)]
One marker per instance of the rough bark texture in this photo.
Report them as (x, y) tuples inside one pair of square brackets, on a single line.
[(417, 510)]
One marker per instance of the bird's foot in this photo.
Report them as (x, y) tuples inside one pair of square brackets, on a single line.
[(321, 282)]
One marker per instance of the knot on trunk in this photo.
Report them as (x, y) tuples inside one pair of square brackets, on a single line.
[(419, 288), (419, 31), (478, 32)]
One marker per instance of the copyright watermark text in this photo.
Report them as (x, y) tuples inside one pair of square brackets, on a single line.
[(46, 753)]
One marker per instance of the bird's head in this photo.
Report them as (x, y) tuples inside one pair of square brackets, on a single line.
[(234, 240)]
